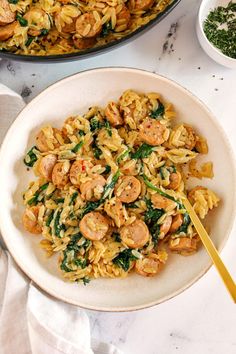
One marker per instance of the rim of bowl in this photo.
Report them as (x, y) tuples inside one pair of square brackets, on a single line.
[(96, 50), (229, 226), (200, 21)]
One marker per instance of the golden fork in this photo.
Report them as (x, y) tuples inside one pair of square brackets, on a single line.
[(212, 251)]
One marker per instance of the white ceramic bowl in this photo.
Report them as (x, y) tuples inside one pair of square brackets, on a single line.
[(205, 7), (74, 95)]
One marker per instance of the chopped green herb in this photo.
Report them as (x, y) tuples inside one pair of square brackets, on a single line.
[(35, 198), (77, 147), (143, 151), (124, 259), (30, 157), (159, 112), (22, 21), (220, 28)]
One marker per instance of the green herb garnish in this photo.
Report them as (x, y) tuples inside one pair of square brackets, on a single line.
[(220, 29)]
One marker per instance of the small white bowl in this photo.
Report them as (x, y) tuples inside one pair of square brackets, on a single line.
[(205, 7)]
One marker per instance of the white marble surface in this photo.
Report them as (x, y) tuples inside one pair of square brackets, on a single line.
[(202, 319)]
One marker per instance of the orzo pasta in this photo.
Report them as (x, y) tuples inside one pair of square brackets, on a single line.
[(50, 27), (107, 197)]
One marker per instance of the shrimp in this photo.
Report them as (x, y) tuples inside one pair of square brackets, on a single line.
[(183, 245), (122, 19), (30, 220), (87, 26), (92, 190), (94, 226), (160, 202), (83, 43), (42, 141), (176, 223), (7, 31), (113, 114), (60, 174), (142, 5), (175, 180), (38, 20), (79, 167), (113, 207), (6, 15), (191, 138), (148, 266), (46, 165), (135, 235), (165, 227), (127, 189), (153, 132)]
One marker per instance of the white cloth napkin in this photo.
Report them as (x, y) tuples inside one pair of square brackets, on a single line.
[(32, 322)]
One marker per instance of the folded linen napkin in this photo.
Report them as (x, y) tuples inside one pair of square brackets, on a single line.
[(32, 322)]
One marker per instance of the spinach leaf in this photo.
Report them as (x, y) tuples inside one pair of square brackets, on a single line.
[(106, 29), (143, 151), (90, 206), (85, 280), (124, 259), (29, 41), (77, 147), (57, 226), (95, 124), (97, 152), (184, 227), (107, 170), (59, 200), (123, 155), (81, 133), (151, 217), (108, 127), (131, 205), (22, 21), (116, 236), (30, 157), (160, 111), (49, 219), (13, 1), (35, 198), (44, 32), (73, 197)]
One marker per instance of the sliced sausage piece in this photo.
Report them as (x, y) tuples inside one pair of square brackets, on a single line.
[(6, 15), (153, 132), (45, 143), (92, 190), (83, 43), (165, 227), (148, 266), (176, 223), (122, 19), (113, 207), (94, 226), (60, 174), (38, 20), (113, 114), (183, 245), (127, 189), (142, 5), (87, 26), (135, 235), (79, 167), (160, 202), (46, 165), (7, 31), (30, 220), (175, 180)]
